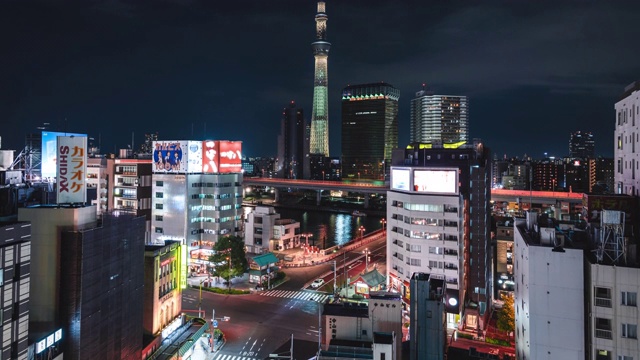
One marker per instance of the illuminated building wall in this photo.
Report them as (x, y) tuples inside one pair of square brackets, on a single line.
[(439, 118), (438, 223), (162, 290), (626, 136), (369, 130), (15, 278), (197, 209), (319, 142), (582, 145)]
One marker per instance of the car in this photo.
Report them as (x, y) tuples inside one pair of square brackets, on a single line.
[(317, 283)]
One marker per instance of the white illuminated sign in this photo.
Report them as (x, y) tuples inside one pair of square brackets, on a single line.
[(40, 346), (400, 179), (453, 301), (71, 165), (173, 326), (435, 181)]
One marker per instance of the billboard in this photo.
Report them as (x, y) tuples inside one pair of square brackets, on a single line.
[(71, 168), (210, 151), (170, 156), (400, 179), (49, 151), (194, 157), (209, 156), (592, 205), (436, 181), (230, 157)]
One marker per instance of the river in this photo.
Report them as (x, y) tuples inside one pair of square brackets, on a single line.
[(329, 228)]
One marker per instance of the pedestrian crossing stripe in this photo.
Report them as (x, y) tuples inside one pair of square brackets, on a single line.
[(232, 357), (297, 295)]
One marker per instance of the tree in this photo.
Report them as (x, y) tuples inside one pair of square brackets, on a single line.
[(507, 315), (229, 247)]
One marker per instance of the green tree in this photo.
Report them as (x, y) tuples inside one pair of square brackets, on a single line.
[(507, 315), (229, 250)]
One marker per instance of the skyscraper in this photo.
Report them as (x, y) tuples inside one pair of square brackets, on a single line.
[(439, 118), (369, 130), (291, 143), (582, 145), (320, 112)]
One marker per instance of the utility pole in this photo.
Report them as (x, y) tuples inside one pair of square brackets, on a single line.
[(334, 277)]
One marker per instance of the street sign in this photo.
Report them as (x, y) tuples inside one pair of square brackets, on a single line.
[(215, 323)]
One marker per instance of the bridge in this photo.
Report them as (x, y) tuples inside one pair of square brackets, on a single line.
[(497, 195)]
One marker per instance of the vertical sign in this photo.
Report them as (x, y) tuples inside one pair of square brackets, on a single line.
[(71, 169)]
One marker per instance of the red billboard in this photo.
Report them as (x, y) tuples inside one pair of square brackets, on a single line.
[(230, 156), (210, 156)]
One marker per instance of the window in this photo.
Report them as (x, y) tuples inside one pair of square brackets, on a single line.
[(159, 183), (158, 217), (159, 206), (603, 328), (602, 296), (630, 331), (159, 195), (629, 298), (415, 262), (159, 230), (624, 357)]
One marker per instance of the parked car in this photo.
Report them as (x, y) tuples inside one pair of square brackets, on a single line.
[(317, 283)]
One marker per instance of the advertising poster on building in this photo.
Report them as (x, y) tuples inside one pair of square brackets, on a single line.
[(210, 156), (230, 157), (400, 179), (170, 156), (49, 152), (71, 169), (194, 159), (436, 181)]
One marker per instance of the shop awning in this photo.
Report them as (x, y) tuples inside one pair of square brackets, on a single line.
[(265, 259)]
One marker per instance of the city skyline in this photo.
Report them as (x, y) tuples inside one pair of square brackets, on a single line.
[(533, 73)]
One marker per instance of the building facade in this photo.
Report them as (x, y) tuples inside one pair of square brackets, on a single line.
[(369, 130), (197, 196), (319, 137), (15, 280), (438, 223), (162, 291), (627, 133), (265, 231), (427, 326), (291, 143), (549, 293), (439, 118)]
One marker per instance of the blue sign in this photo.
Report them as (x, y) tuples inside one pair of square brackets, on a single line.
[(215, 323)]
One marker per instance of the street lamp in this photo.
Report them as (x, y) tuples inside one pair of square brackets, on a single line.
[(366, 253), (229, 274), (383, 222), (307, 236)]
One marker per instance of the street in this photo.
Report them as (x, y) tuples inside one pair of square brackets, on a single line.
[(262, 322)]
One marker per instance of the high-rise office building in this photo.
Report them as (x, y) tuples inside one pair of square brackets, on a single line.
[(439, 118), (369, 130), (291, 143), (319, 142), (15, 247), (437, 211), (197, 196), (626, 140), (582, 145)]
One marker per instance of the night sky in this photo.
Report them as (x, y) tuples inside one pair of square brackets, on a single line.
[(534, 71)]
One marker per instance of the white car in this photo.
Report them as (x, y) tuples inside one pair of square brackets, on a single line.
[(317, 283)]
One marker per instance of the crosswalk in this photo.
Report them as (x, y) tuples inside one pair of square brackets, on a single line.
[(232, 357), (298, 295)]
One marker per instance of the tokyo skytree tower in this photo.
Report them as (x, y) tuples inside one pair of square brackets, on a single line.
[(319, 142)]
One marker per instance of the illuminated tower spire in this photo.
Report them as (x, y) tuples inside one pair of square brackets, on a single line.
[(319, 142)]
